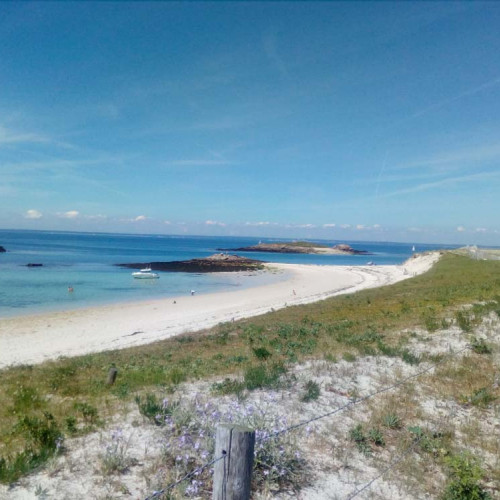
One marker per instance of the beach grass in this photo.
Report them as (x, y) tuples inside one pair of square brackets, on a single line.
[(70, 396)]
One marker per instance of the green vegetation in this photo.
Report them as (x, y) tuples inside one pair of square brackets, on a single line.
[(305, 244), (479, 346), (42, 440), (40, 403), (311, 391), (392, 421), (465, 476), (364, 441)]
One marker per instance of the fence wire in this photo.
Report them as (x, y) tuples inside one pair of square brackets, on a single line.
[(276, 434), (392, 465), (194, 472), (363, 399)]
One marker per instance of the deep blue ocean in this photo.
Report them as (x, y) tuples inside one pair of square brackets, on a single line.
[(86, 261)]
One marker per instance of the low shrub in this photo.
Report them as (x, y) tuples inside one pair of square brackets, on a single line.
[(479, 346), (261, 353), (262, 376), (311, 392), (43, 439), (463, 321), (154, 409), (431, 321), (465, 476), (89, 413), (357, 435)]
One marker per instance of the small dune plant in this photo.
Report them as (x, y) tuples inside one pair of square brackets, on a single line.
[(479, 346), (392, 421), (364, 440), (464, 321), (115, 458), (43, 440), (465, 476), (311, 391), (189, 444)]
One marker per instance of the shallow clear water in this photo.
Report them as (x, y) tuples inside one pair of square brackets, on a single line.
[(86, 262)]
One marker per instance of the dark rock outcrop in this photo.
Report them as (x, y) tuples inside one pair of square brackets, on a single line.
[(214, 264), (271, 248), (342, 247), (297, 247)]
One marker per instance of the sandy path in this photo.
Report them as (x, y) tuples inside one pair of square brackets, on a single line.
[(37, 338)]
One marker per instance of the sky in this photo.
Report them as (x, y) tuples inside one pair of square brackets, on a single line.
[(331, 120)]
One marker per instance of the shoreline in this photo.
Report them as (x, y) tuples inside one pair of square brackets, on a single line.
[(38, 338)]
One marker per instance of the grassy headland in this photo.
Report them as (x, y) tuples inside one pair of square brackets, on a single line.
[(42, 403)]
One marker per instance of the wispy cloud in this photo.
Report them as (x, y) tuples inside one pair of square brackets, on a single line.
[(270, 46), (467, 93), (450, 181), (40, 174), (33, 214), (56, 164), (459, 157), (96, 217), (364, 227), (223, 123), (139, 218), (200, 163), (214, 223), (262, 223), (75, 214), (71, 214), (12, 137)]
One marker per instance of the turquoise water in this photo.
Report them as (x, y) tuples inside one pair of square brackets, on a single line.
[(86, 262)]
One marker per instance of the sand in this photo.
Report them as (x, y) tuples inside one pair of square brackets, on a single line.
[(37, 338)]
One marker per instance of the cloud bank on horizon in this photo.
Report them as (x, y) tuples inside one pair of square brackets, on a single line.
[(320, 120)]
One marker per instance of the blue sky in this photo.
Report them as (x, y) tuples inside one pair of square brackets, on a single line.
[(357, 120)]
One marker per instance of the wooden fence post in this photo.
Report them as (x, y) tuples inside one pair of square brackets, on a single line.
[(233, 474), (113, 372)]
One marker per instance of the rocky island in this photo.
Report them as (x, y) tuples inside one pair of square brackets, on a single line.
[(216, 263), (300, 247)]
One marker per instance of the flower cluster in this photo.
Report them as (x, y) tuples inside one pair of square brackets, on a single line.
[(189, 442), (114, 458)]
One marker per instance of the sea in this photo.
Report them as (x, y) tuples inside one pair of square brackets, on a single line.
[(86, 262)]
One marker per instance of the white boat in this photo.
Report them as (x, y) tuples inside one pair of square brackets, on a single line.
[(145, 273)]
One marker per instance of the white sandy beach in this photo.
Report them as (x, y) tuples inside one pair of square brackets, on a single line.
[(37, 338)]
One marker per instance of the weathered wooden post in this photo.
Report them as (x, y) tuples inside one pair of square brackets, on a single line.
[(233, 474), (113, 372)]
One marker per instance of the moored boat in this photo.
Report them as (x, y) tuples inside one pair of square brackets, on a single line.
[(145, 273)]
